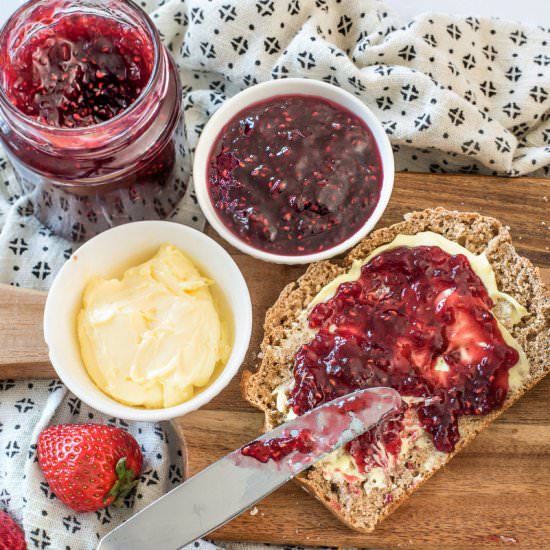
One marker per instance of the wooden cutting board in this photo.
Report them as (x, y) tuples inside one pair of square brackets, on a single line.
[(495, 493)]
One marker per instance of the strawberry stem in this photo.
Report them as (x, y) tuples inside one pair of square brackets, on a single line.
[(123, 486)]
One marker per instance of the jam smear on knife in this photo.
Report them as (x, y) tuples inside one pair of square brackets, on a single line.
[(328, 427), (279, 447)]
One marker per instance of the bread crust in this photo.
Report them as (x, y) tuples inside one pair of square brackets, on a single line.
[(515, 275)]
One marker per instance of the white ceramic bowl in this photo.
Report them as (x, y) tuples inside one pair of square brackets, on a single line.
[(273, 88), (109, 255)]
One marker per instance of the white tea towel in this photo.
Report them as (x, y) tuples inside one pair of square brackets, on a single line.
[(454, 94)]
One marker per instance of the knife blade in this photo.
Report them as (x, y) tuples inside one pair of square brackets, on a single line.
[(233, 484)]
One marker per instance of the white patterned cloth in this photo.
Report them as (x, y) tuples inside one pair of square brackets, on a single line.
[(454, 94)]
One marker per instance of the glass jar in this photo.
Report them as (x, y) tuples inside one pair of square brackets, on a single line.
[(90, 154)]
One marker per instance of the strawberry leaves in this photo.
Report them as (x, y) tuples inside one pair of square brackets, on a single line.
[(125, 483)]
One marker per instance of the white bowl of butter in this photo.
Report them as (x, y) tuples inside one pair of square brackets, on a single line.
[(148, 321)]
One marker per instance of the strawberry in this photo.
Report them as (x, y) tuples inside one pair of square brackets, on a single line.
[(89, 466), (11, 535)]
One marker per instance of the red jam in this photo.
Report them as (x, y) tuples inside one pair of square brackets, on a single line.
[(328, 427), (91, 105), (295, 175), (364, 450), (279, 447), (80, 71), (409, 308)]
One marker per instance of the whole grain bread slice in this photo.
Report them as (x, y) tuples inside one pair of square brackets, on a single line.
[(285, 332)]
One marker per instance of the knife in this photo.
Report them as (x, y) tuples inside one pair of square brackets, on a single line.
[(233, 484)]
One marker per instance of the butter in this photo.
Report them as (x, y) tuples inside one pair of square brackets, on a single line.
[(520, 370), (340, 464), (479, 263), (154, 337), (281, 393), (376, 478)]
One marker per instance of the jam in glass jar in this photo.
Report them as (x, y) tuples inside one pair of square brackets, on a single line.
[(90, 104)]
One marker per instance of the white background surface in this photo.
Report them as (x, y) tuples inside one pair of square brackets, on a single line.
[(7, 7), (536, 12)]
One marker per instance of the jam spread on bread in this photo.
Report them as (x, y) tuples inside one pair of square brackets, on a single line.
[(80, 71), (294, 175), (418, 320)]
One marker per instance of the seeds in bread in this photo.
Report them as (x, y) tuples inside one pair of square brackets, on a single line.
[(285, 331)]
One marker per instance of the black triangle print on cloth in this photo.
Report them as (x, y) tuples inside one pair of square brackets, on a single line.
[(228, 13), (538, 93), (249, 80), (469, 61), (430, 40), (384, 103), (488, 88), (71, 524), (457, 116), (454, 31), (502, 145), (518, 37), (382, 70), (471, 147), (240, 45), (423, 122), (4, 499), (271, 45), (363, 41), (197, 15), (389, 126), (306, 60), (470, 96), (473, 22), (409, 92), (489, 52), (265, 7), (331, 79), (513, 73), (344, 25), (280, 71), (512, 110), (542, 60), (519, 130), (18, 246), (208, 50), (408, 53), (357, 84), (293, 7), (40, 538)]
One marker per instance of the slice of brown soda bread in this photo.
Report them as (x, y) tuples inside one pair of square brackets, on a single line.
[(357, 504)]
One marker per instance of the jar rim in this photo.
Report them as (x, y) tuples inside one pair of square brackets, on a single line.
[(157, 49)]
